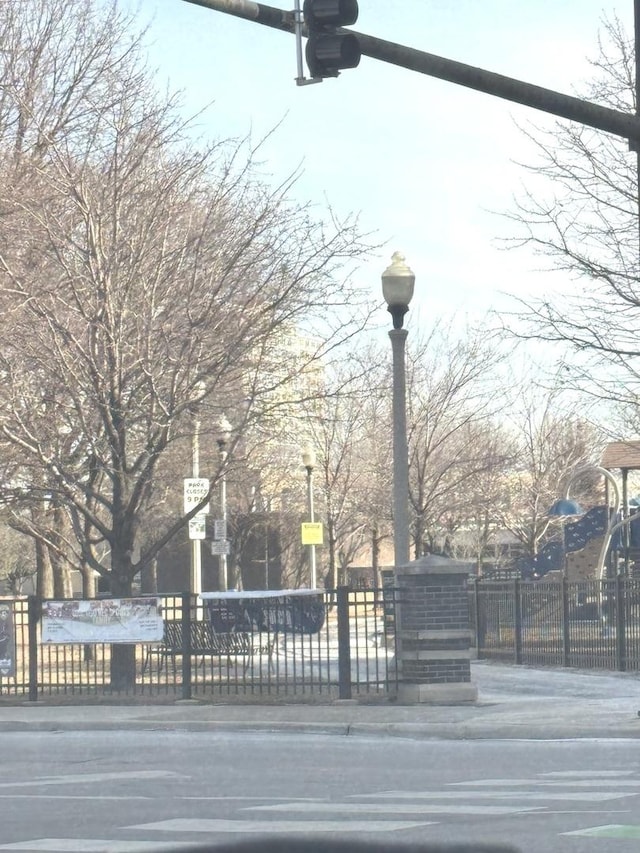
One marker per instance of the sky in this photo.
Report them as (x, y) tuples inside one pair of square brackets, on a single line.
[(431, 167)]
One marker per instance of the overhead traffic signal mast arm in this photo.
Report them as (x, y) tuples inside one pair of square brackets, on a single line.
[(625, 125)]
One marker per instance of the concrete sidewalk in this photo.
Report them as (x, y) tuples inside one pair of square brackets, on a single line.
[(513, 702)]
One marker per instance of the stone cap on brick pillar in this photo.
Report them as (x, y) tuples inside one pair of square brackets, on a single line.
[(436, 564)]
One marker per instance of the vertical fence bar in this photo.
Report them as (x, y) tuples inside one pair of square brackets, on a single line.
[(517, 621), (34, 607), (344, 650), (186, 645), (566, 634), (621, 642), (477, 615)]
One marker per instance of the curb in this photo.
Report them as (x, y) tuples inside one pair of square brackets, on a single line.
[(425, 731)]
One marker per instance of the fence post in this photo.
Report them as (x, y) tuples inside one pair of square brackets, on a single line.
[(477, 616), (517, 619), (34, 613), (186, 645), (621, 632), (344, 647), (566, 634)]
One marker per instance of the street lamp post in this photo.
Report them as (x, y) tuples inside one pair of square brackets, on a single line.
[(397, 288), (195, 579), (309, 462), (224, 431)]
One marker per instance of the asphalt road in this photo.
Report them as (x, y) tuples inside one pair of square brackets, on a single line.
[(148, 791)]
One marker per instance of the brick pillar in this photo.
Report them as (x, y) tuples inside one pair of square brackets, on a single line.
[(434, 632)]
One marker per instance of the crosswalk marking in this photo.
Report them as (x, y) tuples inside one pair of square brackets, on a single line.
[(73, 797), (586, 774), (94, 845), (610, 830), (586, 796), (213, 825), (548, 783), (384, 811), (395, 808), (86, 778)]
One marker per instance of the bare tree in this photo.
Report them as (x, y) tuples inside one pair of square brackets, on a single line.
[(581, 212), (450, 402), (143, 273), (552, 443), (340, 432)]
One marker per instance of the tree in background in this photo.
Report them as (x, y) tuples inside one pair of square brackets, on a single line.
[(450, 403), (551, 444), (142, 273), (581, 212)]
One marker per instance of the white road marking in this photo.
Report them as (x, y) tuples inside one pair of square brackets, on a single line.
[(546, 783), (83, 778), (395, 808), (73, 797), (587, 774), (608, 830), (277, 826), (586, 796), (94, 845), (69, 797)]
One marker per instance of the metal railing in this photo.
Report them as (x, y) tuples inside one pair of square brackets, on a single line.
[(353, 654), (589, 624)]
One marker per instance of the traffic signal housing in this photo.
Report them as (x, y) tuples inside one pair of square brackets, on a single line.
[(328, 52)]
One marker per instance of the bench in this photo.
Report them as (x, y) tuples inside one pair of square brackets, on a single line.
[(205, 642)]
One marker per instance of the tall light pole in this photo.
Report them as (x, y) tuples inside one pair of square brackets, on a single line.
[(397, 288), (309, 462), (224, 432), (195, 580)]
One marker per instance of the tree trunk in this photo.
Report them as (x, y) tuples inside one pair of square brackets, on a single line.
[(62, 587), (88, 581), (123, 655), (44, 577), (333, 566), (375, 558)]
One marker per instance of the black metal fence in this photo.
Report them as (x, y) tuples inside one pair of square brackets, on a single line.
[(589, 624), (353, 654)]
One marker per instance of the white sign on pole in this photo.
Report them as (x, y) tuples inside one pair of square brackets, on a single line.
[(220, 528), (197, 527), (222, 546), (195, 489)]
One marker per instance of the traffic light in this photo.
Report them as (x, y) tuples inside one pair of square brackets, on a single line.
[(328, 51)]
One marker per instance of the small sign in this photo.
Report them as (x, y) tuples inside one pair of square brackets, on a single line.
[(220, 528), (221, 546), (195, 489), (311, 533), (197, 527)]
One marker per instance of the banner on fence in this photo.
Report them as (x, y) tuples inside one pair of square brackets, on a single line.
[(112, 620), (279, 611), (7, 640)]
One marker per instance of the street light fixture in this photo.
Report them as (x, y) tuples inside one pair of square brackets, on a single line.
[(397, 288), (309, 462), (224, 434)]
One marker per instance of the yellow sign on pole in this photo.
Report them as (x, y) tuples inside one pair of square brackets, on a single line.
[(311, 533)]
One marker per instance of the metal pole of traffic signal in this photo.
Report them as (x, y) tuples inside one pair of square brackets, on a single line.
[(625, 125)]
